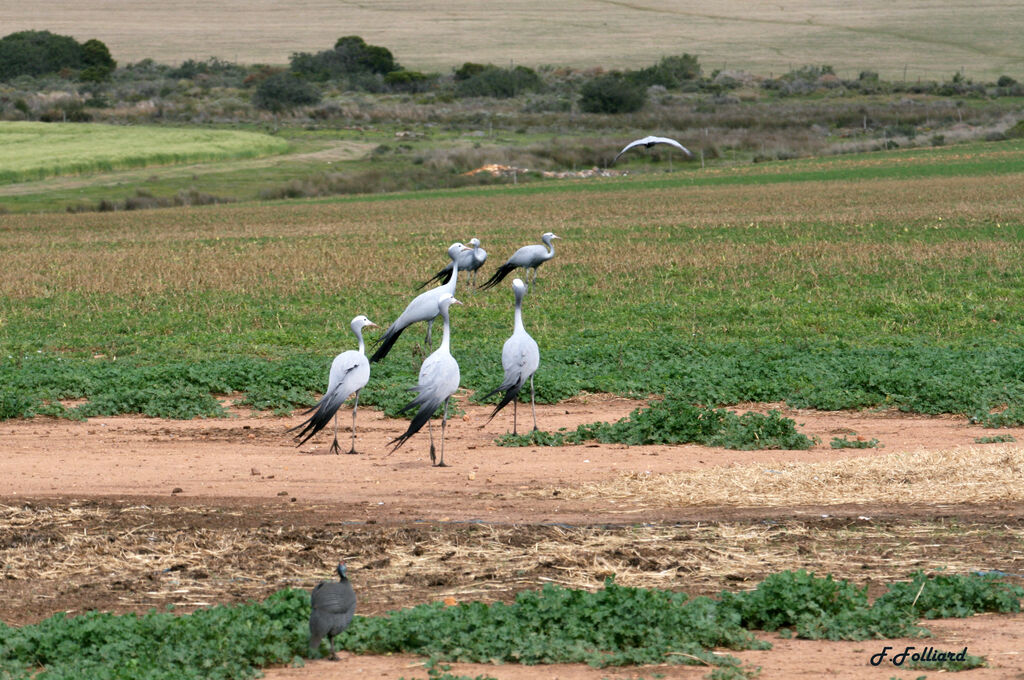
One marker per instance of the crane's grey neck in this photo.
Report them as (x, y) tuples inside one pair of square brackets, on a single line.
[(446, 332), (518, 324), (549, 242), (455, 275), (359, 336)]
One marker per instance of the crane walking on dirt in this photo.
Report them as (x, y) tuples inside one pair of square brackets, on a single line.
[(520, 358), (424, 307), (439, 378), (527, 257), (350, 371)]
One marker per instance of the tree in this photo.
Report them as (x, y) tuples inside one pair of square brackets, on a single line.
[(283, 91), (97, 61), (37, 53)]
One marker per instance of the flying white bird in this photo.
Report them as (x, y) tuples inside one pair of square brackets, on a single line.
[(439, 379), (527, 257), (350, 371), (520, 358), (651, 141)]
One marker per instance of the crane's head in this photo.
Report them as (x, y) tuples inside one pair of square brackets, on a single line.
[(475, 242), (548, 236), (361, 322), (342, 571), (518, 287), (447, 301), (456, 248)]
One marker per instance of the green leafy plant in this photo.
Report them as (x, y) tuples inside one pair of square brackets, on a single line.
[(942, 596), (995, 439), (674, 420), (949, 663), (858, 443)]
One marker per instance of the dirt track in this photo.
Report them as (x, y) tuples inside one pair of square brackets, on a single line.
[(128, 513)]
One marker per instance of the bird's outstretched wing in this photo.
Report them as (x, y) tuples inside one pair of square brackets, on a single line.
[(637, 142), (651, 141), (670, 142)]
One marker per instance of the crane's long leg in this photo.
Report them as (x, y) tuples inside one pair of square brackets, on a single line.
[(533, 406), (515, 403), (335, 449), (444, 422), (430, 430), (355, 407), (430, 327)]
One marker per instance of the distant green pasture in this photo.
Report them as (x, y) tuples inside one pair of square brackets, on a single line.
[(31, 151)]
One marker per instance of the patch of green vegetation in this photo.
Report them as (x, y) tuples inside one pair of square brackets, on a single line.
[(439, 671), (943, 596), (674, 420), (219, 643), (859, 443), (996, 439), (615, 625), (949, 663)]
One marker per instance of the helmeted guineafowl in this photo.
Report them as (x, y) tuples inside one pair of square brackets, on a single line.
[(333, 606)]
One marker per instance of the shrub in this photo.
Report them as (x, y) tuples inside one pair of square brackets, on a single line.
[(408, 81), (500, 83), (670, 72), (283, 91), (351, 55), (37, 53), (1015, 132), (468, 70), (612, 93)]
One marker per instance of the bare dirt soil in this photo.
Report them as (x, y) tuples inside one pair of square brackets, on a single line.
[(128, 513)]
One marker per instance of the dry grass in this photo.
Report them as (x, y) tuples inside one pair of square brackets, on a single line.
[(80, 556), (965, 475), (915, 39)]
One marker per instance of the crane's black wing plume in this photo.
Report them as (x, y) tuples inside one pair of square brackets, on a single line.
[(440, 278), (502, 271)]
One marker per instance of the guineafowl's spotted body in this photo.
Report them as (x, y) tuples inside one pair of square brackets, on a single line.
[(333, 604)]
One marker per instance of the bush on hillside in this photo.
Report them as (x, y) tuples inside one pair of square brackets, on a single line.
[(350, 56), (612, 93), (670, 72), (501, 83), (38, 53), (283, 91)]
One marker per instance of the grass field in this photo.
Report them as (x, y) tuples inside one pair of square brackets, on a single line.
[(912, 38), (31, 151), (849, 282)]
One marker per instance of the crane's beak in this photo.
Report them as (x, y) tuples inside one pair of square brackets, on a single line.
[(370, 323), (456, 302)]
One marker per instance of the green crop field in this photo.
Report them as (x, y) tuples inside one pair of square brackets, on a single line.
[(30, 151), (909, 39), (885, 280)]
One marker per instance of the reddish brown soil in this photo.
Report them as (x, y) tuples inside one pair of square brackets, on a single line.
[(245, 475)]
